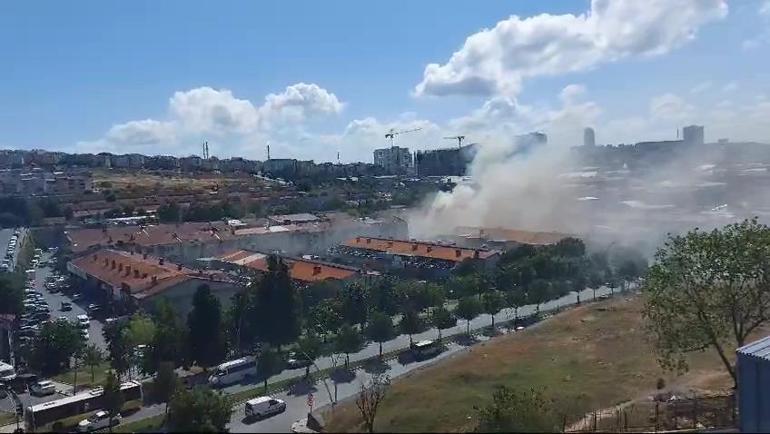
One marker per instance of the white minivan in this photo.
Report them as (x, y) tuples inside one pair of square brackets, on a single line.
[(233, 371), (264, 406)]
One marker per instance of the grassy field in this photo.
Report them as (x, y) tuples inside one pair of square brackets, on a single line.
[(591, 357), (84, 376), (150, 424)]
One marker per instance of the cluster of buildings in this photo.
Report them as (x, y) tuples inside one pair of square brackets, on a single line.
[(39, 182)]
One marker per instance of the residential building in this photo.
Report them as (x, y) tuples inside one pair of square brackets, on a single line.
[(418, 259), (693, 135), (589, 137), (132, 280), (502, 238), (395, 160), (444, 162), (303, 271)]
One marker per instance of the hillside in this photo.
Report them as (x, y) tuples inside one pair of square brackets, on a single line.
[(588, 358)]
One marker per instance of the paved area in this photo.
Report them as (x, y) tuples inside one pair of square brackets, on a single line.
[(5, 239), (78, 307)]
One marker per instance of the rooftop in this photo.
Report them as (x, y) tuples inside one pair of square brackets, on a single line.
[(516, 235), (141, 275), (419, 248), (303, 270), (759, 349), (153, 235)]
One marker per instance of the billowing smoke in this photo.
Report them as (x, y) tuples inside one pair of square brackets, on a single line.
[(628, 195)]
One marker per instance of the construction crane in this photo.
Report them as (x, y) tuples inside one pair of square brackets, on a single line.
[(393, 133), (459, 140), (205, 150)]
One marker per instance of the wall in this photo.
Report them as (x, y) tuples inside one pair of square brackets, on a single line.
[(753, 393), (181, 296)]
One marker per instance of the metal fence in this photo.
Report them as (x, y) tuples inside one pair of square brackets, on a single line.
[(675, 413)]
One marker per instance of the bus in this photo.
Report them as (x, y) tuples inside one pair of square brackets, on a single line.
[(233, 371), (37, 416), (426, 349)]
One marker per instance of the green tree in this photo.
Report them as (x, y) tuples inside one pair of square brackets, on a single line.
[(353, 302), (515, 298), (268, 364), (277, 302), (539, 293), (55, 346), (410, 324), (348, 340), (92, 357), (468, 308), (168, 341), (380, 329), (112, 398), (198, 410), (118, 347), (140, 330), (442, 319), (166, 383), (708, 290), (493, 302), (310, 346), (517, 411), (325, 317), (205, 325), (11, 296)]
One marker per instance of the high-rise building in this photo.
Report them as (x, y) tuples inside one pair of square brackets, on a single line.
[(444, 162), (693, 134), (589, 137), (394, 159)]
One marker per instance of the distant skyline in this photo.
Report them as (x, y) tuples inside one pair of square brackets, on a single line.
[(317, 78)]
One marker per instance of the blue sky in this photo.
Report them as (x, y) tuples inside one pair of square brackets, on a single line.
[(80, 75)]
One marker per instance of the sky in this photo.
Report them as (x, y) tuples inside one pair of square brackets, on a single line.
[(314, 79)]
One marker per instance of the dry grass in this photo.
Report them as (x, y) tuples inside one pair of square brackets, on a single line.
[(591, 357)]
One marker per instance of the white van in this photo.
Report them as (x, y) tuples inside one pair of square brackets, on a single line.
[(264, 406), (233, 371), (7, 373)]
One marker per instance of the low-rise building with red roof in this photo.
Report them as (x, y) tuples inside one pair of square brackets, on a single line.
[(301, 270), (131, 280)]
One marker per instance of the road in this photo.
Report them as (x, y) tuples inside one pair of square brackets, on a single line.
[(78, 308), (5, 238), (296, 400)]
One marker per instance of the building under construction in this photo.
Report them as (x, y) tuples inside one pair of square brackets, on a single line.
[(444, 162)]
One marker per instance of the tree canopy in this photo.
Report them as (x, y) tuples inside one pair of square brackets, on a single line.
[(204, 321), (708, 290)]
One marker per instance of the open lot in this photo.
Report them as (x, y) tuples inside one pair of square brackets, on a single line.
[(591, 357)]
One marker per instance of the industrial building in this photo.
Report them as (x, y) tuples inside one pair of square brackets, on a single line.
[(502, 238), (693, 135), (185, 243), (131, 280), (753, 371), (411, 258), (303, 271)]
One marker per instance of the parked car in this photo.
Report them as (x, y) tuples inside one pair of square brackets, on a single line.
[(298, 360), (99, 420), (42, 388), (66, 306), (93, 308), (264, 406), (83, 321)]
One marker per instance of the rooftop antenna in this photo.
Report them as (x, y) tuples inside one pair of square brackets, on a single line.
[(268, 150), (338, 157), (205, 150)]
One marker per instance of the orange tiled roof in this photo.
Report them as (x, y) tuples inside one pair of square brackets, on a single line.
[(299, 269), (141, 275), (419, 248), (154, 235)]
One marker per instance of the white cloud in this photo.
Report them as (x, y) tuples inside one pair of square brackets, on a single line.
[(701, 87), (670, 107), (205, 113), (764, 8), (208, 110), (730, 87), (498, 60)]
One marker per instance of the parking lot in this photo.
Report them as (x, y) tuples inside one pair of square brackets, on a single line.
[(79, 306)]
